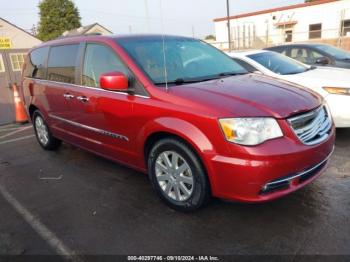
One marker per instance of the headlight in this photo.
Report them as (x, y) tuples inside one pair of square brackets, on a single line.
[(250, 131), (337, 90)]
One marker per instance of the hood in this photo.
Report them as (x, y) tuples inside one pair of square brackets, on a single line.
[(322, 76), (248, 95)]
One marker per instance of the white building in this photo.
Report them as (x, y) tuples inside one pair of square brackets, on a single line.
[(14, 45), (324, 19), (95, 28)]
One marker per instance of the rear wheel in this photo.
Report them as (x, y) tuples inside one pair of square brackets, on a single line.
[(177, 175), (43, 134)]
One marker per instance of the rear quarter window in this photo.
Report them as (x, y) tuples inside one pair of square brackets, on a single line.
[(61, 63), (281, 50), (36, 63)]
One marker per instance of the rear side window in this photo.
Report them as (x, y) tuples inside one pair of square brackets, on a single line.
[(283, 52), (100, 59), (300, 54), (277, 49), (35, 66), (61, 64)]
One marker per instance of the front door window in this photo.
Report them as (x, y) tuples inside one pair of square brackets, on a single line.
[(100, 59)]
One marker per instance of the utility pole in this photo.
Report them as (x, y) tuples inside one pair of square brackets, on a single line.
[(341, 31), (228, 24)]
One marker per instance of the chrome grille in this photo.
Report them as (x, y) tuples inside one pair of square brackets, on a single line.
[(312, 127)]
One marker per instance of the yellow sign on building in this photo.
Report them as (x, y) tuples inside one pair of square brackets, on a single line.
[(5, 43)]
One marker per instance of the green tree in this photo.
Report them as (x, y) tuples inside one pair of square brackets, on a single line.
[(56, 17)]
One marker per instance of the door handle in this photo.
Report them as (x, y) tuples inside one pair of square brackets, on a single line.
[(83, 99), (68, 96)]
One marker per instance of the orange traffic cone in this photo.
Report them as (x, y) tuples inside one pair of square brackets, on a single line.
[(21, 115)]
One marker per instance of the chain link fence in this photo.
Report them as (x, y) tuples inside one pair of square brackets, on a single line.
[(336, 37)]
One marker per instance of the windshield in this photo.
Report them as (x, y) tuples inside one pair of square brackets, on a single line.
[(187, 60), (278, 63), (334, 51)]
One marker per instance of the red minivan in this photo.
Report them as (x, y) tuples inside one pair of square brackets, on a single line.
[(180, 110)]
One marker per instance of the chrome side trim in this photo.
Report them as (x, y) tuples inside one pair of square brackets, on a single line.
[(87, 87), (302, 173), (90, 128)]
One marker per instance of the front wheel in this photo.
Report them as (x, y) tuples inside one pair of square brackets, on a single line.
[(177, 175), (43, 134)]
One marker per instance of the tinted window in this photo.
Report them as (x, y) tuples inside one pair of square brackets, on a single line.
[(283, 51), (100, 59), (305, 55), (35, 66), (61, 64), (278, 63), (335, 52), (277, 49), (300, 54), (177, 60)]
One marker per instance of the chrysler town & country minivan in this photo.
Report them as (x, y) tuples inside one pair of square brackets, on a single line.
[(180, 110)]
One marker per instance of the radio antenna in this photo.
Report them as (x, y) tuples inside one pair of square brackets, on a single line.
[(163, 43)]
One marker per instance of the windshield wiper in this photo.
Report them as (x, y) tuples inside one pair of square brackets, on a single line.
[(294, 73), (232, 74), (181, 81)]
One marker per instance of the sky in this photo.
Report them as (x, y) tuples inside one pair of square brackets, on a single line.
[(181, 17)]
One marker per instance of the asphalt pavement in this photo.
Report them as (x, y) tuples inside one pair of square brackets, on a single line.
[(73, 202)]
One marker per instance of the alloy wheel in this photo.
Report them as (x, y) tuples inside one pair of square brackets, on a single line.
[(41, 130), (174, 176)]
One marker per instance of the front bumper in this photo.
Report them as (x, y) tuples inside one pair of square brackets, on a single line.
[(270, 171), (340, 109), (293, 180)]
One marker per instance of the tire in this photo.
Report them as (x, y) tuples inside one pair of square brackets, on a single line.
[(43, 134), (181, 190)]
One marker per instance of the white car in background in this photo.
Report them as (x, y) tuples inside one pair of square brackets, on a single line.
[(332, 83)]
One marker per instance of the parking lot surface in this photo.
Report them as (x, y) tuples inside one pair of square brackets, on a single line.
[(73, 202)]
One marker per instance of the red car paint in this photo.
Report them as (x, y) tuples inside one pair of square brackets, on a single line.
[(190, 112)]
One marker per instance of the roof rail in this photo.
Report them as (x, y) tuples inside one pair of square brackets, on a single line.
[(69, 36)]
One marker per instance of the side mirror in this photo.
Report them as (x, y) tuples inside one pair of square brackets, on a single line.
[(114, 81), (322, 61)]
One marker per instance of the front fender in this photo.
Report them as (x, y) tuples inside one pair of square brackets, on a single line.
[(185, 130)]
